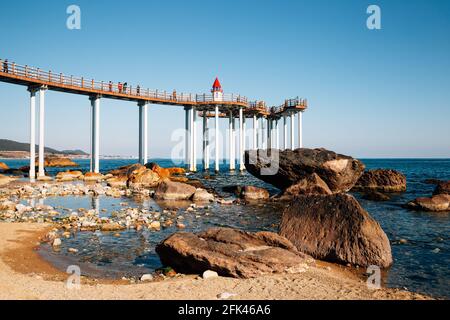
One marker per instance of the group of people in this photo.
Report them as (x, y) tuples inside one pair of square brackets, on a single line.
[(122, 88)]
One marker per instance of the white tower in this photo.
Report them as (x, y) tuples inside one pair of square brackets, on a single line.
[(217, 91)]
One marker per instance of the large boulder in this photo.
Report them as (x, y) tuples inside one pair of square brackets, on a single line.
[(170, 190), (125, 171), (231, 253), (162, 172), (3, 166), (381, 180), (202, 195), (437, 203), (337, 229), (338, 172), (93, 177), (311, 184), (69, 175), (443, 187)]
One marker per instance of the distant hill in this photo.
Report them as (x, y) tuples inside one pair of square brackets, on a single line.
[(9, 145)]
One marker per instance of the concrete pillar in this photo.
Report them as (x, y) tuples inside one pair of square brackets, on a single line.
[(95, 139), (231, 137), (241, 139), (41, 131), (205, 142), (255, 132), (194, 140), (187, 138), (143, 132), (292, 132), (269, 134), (300, 129), (277, 135), (216, 116), (245, 135), (32, 172), (285, 133)]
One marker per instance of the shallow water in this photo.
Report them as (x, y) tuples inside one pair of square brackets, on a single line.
[(421, 265)]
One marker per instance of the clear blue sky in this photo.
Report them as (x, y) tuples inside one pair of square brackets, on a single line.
[(379, 93)]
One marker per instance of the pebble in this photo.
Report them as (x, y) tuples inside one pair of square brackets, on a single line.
[(147, 277), (403, 241), (57, 242), (210, 274), (226, 295), (72, 250), (181, 226)]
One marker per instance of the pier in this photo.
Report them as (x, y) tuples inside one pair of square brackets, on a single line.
[(215, 105)]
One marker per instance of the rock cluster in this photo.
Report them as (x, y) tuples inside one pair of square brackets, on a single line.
[(305, 171), (438, 202), (381, 180)]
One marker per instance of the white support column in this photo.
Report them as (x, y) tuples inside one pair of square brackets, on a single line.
[(277, 134), (41, 131), (217, 164), (255, 132), (263, 134), (241, 139), (300, 129), (143, 133), (285, 133), (194, 140), (205, 142), (95, 144), (187, 137), (292, 132), (32, 172), (269, 134), (245, 136), (231, 138)]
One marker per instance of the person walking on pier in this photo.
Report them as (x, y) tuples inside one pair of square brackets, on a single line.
[(125, 85), (119, 86), (138, 90), (110, 86), (5, 66)]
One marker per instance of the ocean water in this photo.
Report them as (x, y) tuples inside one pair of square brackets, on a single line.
[(421, 265)]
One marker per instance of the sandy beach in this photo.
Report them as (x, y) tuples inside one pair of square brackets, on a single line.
[(24, 276)]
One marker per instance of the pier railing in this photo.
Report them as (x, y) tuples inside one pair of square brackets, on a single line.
[(137, 92)]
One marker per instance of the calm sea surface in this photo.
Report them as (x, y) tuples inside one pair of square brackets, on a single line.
[(422, 265)]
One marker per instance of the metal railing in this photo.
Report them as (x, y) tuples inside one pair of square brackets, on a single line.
[(106, 87)]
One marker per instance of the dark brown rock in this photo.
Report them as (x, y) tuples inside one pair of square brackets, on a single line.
[(339, 172), (437, 203), (170, 190), (381, 180), (443, 187), (231, 253), (336, 228)]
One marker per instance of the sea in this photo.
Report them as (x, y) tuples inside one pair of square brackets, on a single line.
[(421, 259)]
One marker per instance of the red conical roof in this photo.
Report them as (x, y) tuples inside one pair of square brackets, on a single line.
[(217, 84)]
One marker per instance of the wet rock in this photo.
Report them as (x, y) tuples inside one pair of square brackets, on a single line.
[(72, 250), (68, 175), (375, 196), (117, 182), (112, 227), (201, 195), (93, 177), (251, 193), (438, 203), (336, 228), (339, 172), (177, 171), (229, 252), (161, 172), (143, 177), (3, 166), (442, 187), (381, 180), (155, 225), (169, 190), (57, 242)]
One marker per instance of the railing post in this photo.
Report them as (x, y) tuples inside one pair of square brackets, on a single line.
[(82, 82), (50, 76), (13, 68), (71, 80), (61, 78), (92, 84), (26, 71), (38, 73)]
